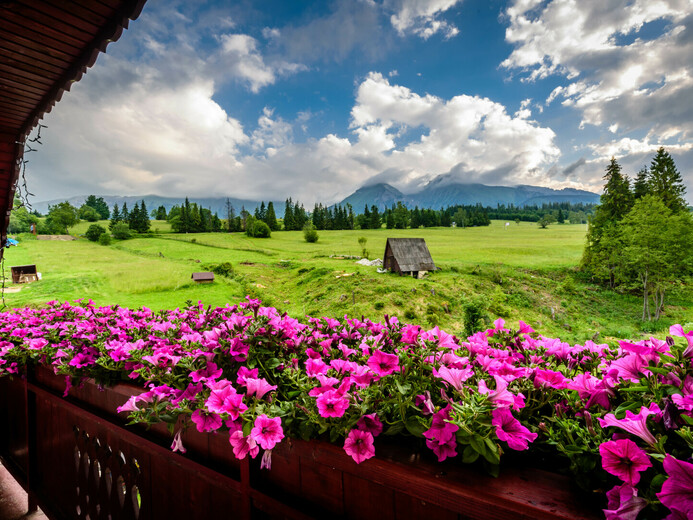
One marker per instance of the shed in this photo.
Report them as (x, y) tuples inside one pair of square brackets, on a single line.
[(203, 277), (24, 273), (407, 256)]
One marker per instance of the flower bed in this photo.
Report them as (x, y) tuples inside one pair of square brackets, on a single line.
[(618, 418)]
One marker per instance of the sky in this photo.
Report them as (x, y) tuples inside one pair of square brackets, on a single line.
[(269, 99)]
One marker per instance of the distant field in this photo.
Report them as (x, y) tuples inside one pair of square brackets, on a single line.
[(517, 271), (158, 226)]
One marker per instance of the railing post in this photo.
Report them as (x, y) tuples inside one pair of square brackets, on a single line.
[(30, 423)]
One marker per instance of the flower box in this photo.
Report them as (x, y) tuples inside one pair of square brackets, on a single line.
[(79, 460)]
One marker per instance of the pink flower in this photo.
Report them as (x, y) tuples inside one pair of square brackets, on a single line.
[(632, 423), (266, 461), (677, 330), (549, 378), (258, 387), (623, 503), (267, 432), (332, 404), (243, 446), (383, 364), (177, 444), (359, 445), (510, 430), (206, 421), (624, 459), (677, 490), (371, 424), (454, 376), (501, 396), (209, 372), (244, 373), (425, 403), (593, 389), (440, 437), (215, 402)]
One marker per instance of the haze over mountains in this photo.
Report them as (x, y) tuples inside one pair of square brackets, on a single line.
[(439, 193)]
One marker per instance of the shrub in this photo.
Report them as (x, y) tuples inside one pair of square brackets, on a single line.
[(121, 231), (473, 317), (378, 305), (105, 239), (222, 269), (259, 229), (410, 314), (309, 233), (94, 232)]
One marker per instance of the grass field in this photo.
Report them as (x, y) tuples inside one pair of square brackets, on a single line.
[(517, 271)]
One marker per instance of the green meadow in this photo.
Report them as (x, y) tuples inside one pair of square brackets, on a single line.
[(517, 272)]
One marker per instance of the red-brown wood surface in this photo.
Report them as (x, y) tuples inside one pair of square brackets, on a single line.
[(307, 480)]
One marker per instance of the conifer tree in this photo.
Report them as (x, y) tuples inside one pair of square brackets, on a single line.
[(617, 199), (270, 217), (375, 218), (124, 213), (115, 217), (666, 182), (289, 222), (641, 186)]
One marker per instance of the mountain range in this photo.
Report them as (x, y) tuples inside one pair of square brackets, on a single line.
[(439, 193)]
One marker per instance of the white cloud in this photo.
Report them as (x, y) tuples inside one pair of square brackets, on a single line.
[(239, 55), (271, 133), (616, 77), (421, 17)]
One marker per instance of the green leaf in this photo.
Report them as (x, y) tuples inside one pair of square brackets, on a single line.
[(492, 454), (415, 426), (638, 388), (687, 419), (394, 429), (272, 364), (469, 455), (492, 469), (403, 389), (477, 442)]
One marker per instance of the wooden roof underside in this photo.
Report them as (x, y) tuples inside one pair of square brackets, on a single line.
[(45, 46)]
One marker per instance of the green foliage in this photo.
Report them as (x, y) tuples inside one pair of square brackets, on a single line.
[(94, 232), (60, 217), (105, 239), (258, 229), (99, 205), (271, 218), (121, 231), (666, 182), (474, 313), (222, 269), (546, 220), (20, 219), (309, 233), (88, 213)]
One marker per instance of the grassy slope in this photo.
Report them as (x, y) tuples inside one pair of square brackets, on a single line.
[(520, 272)]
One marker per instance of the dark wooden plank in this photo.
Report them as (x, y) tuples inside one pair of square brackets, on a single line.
[(26, 68), (322, 485), (34, 40), (31, 54), (46, 32), (73, 18), (366, 500)]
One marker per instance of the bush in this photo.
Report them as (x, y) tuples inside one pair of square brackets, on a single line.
[(94, 232), (222, 269), (473, 317), (259, 229), (105, 239), (309, 233), (378, 306), (121, 231)]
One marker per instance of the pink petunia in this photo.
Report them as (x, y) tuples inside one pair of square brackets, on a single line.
[(454, 376), (677, 490), (267, 432), (632, 423), (623, 503), (371, 424), (624, 459), (177, 444), (383, 364), (242, 446), (211, 371), (206, 421), (332, 404), (359, 445), (258, 387), (440, 437), (510, 430)]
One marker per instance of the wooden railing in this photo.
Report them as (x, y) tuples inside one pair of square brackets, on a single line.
[(78, 459)]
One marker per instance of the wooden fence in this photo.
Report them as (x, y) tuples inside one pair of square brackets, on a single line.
[(78, 459)]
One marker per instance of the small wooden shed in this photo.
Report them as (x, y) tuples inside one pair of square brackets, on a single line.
[(203, 277), (408, 256), (24, 273)]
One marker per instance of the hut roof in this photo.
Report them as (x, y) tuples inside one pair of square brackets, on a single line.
[(411, 254), (203, 276)]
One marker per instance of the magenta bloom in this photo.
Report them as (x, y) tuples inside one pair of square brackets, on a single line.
[(243, 446), (623, 503), (258, 387), (549, 378), (510, 430), (677, 490), (359, 445), (383, 364), (332, 404), (632, 423), (206, 421), (440, 437), (454, 376), (267, 432), (624, 459), (177, 444), (371, 424), (211, 371)]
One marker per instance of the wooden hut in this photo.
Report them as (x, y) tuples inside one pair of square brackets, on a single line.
[(408, 256), (203, 277)]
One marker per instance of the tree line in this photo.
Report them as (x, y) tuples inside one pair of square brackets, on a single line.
[(641, 234)]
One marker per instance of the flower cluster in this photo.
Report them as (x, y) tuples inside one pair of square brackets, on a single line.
[(259, 376)]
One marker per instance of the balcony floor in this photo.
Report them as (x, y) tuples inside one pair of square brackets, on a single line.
[(13, 499)]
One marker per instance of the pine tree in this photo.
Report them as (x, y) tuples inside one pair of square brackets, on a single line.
[(161, 213), (641, 186), (375, 218), (289, 222), (617, 199), (666, 182), (133, 216), (115, 217), (230, 215), (143, 221), (560, 218), (271, 217), (124, 214)]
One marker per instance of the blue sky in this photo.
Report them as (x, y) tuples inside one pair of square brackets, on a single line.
[(270, 99)]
